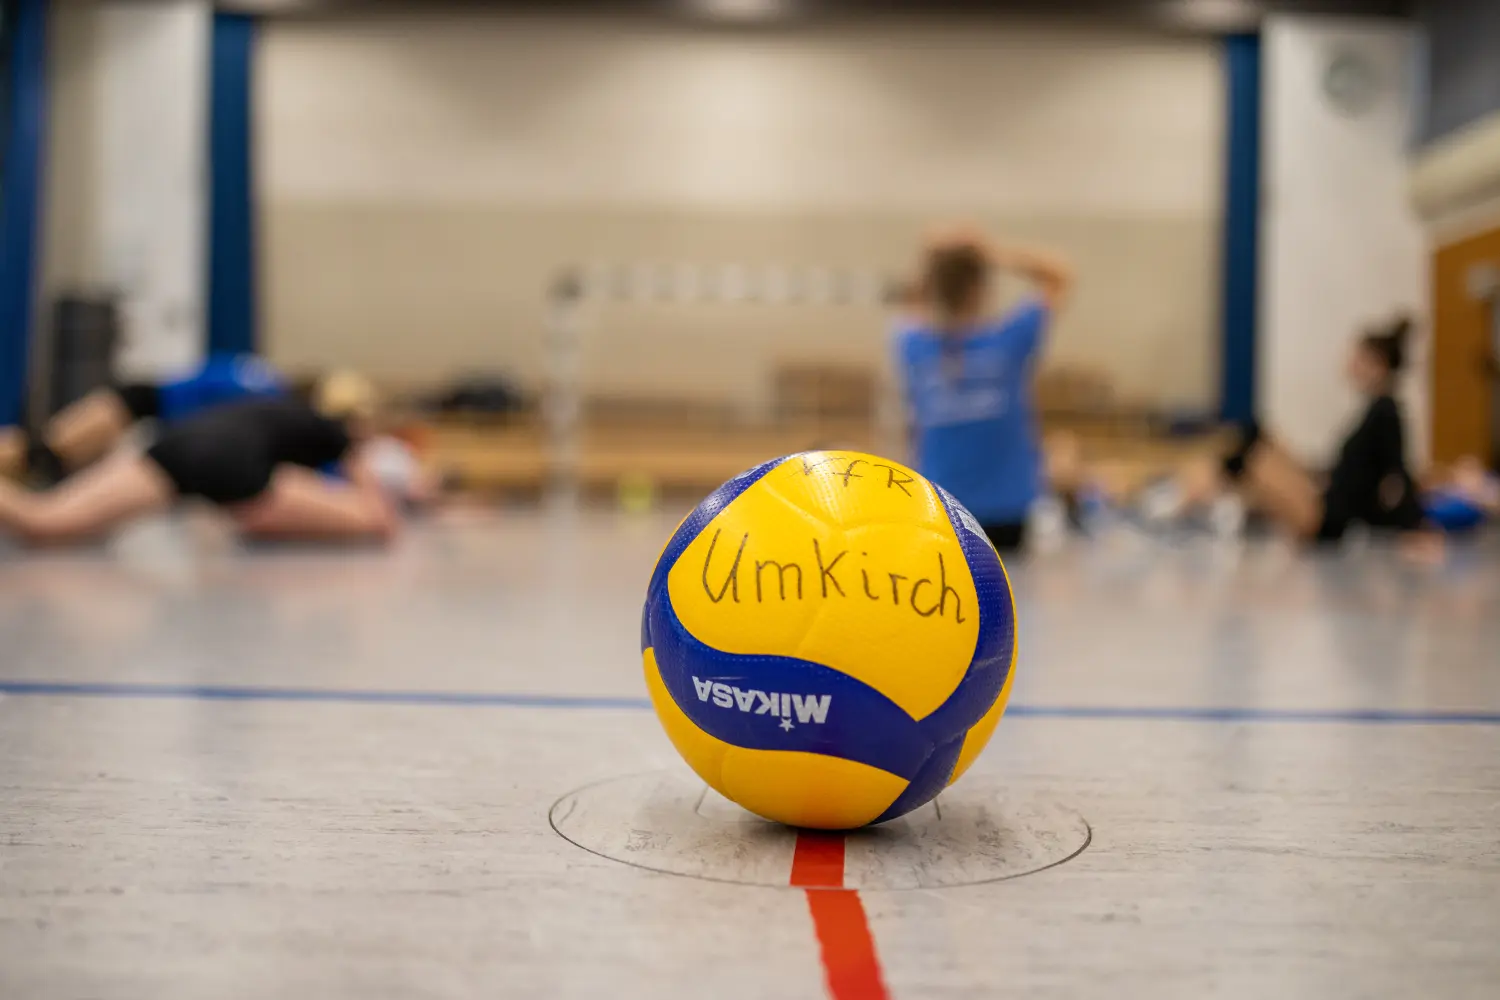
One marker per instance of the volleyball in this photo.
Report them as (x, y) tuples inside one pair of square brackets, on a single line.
[(829, 640)]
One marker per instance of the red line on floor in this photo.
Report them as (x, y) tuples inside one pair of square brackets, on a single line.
[(847, 948), (818, 860)]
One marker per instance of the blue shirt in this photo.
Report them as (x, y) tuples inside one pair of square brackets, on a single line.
[(224, 378), (972, 411)]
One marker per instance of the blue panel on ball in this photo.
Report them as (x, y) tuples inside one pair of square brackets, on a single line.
[(789, 704), (780, 702), (689, 529), (928, 782), (976, 693)]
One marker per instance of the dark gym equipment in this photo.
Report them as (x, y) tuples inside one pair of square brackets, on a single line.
[(85, 330)]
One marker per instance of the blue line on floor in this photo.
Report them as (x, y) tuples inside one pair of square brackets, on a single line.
[(193, 692), (1374, 716)]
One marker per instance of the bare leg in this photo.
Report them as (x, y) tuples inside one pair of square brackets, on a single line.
[(1200, 481), (1064, 461), (89, 429), (12, 453), (1277, 485), (1423, 548), (83, 433), (302, 504), (88, 505)]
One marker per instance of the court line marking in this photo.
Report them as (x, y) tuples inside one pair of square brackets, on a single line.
[(215, 692), (851, 965)]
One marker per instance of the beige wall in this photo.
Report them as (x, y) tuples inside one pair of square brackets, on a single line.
[(69, 259), (1455, 183), (421, 181), (1341, 246)]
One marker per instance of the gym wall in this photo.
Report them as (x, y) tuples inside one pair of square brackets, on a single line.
[(127, 171), (422, 180), (1341, 244)]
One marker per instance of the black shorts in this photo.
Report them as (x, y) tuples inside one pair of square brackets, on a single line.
[(221, 468), (141, 400), (1008, 537)]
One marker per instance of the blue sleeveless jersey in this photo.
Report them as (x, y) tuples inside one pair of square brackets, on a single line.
[(972, 411)]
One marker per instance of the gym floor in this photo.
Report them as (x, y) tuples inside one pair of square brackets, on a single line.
[(285, 773)]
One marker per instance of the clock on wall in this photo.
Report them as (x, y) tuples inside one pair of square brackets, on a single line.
[(1351, 81)]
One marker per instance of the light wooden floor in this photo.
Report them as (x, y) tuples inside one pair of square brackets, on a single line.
[(289, 774)]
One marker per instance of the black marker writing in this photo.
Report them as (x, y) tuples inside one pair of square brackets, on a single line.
[(781, 571), (791, 580), (732, 581), (826, 576)]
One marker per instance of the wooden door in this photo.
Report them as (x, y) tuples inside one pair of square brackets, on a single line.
[(1463, 392)]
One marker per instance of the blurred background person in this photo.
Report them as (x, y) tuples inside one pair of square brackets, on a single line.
[(87, 430), (967, 372), (600, 263), (278, 467), (1370, 483)]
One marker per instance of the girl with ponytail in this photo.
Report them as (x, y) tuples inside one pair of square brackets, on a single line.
[(1370, 482)]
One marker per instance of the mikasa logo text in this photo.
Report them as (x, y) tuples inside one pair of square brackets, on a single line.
[(806, 708)]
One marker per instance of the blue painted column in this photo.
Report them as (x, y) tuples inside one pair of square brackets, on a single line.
[(21, 193), (1241, 251), (231, 253)]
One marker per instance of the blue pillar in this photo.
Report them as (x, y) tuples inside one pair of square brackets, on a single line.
[(21, 192), (231, 220), (1241, 251)]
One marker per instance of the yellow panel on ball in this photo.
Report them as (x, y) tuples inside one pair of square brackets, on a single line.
[(808, 790), (703, 753), (849, 561), (829, 640)]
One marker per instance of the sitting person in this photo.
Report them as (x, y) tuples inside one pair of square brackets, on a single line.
[(1369, 483)]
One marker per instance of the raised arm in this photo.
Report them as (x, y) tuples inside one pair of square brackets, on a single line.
[(1051, 273)]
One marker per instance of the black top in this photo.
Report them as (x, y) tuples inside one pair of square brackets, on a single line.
[(1370, 481)]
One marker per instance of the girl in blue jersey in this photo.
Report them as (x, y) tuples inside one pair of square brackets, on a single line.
[(968, 374), (90, 428)]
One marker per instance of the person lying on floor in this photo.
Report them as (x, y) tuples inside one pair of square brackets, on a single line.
[(267, 463), (87, 430)]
